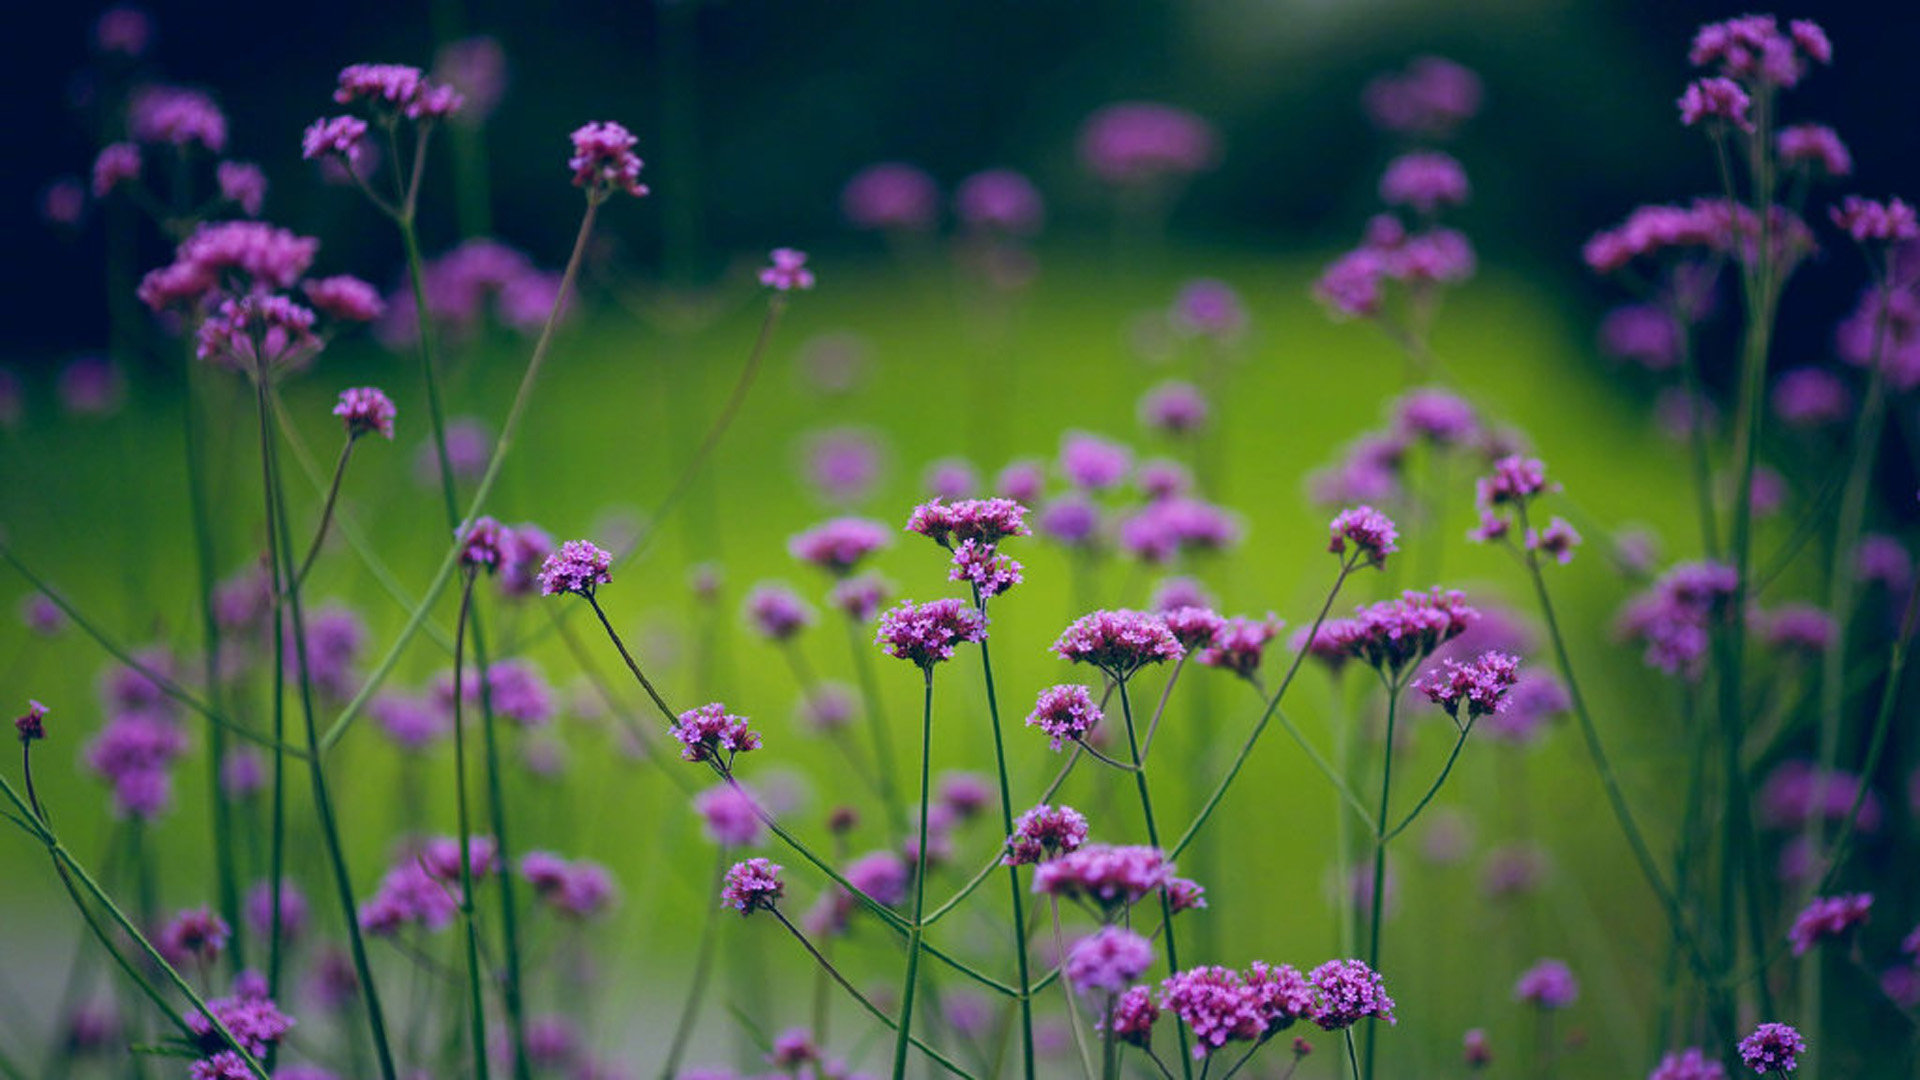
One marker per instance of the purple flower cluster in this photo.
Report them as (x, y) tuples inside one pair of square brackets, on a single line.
[(1109, 877), (1221, 1005), (1828, 918), (838, 546), (396, 90), (1480, 684), (1430, 99), (730, 815), (1065, 712), (1166, 529), (1870, 222), (341, 137), (252, 1018), (753, 885), (1093, 463), (195, 935), (1043, 833), (1675, 617), (1716, 98), (1119, 643), (1371, 532), (787, 271), (1353, 286), (578, 567), (999, 200), (135, 753), (926, 634), (1772, 1047), (710, 730), (576, 890), (891, 195), (1174, 408), (603, 160), (1346, 992), (1424, 180), (986, 521), (989, 571), (1814, 147), (344, 298), (1133, 1016), (1107, 960), (261, 257), (1548, 985), (860, 596), (1239, 644), (178, 117), (1392, 634), (777, 612), (465, 283), (1146, 143), (1688, 1064), (1799, 791), (1752, 49), (31, 725)]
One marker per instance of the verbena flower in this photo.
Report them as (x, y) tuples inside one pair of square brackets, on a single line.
[(925, 634), (1216, 1006), (195, 935), (1371, 532), (1871, 222), (839, 546), (987, 570), (1548, 984), (578, 567), (788, 271), (259, 906), (1772, 1047), (1688, 1064), (344, 298), (1814, 147), (999, 200), (1828, 918), (1066, 713), (1474, 1049), (987, 521), (1117, 642), (1812, 397), (1161, 478), (603, 160), (1480, 685), (31, 725), (1169, 528), (1108, 877), (707, 732), (1093, 463), (1718, 99), (1556, 541), (480, 544), (1173, 408), (1107, 960), (882, 875), (1134, 1013), (1346, 992), (729, 815), (574, 890), (891, 195), (1072, 520), (116, 164), (344, 137), (1022, 481), (253, 1020), (1044, 832), (1430, 99), (1195, 627), (1436, 415), (177, 116), (860, 596), (1142, 143), (1393, 634), (777, 612), (1280, 994), (1424, 180), (1674, 619), (1752, 49), (753, 885), (1240, 644)]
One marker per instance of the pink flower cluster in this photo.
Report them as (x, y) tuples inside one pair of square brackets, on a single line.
[(838, 546), (1393, 634), (1430, 99), (1043, 833), (396, 90), (1674, 618), (1065, 712), (578, 567), (753, 885), (1752, 49), (1239, 645), (709, 731), (1371, 532), (1548, 984), (1142, 142), (1708, 226), (926, 634), (603, 160), (1109, 877), (1828, 918), (1354, 284), (1117, 642), (576, 890), (1480, 685)]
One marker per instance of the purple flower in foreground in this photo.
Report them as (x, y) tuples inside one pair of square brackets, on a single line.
[(31, 726), (1772, 1047), (253, 1020), (1133, 1015), (925, 634), (1369, 530), (1110, 877), (753, 885), (1828, 918), (1215, 1003), (1043, 832), (578, 567), (1109, 959), (1346, 992), (1117, 642), (1195, 627), (1548, 984), (710, 730), (603, 160), (1716, 98), (1240, 644), (1688, 1064), (788, 271), (1871, 222), (1066, 713), (988, 521), (990, 572), (1481, 684)]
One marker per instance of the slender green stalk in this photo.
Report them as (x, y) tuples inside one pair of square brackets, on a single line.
[(1696, 432), (476, 1004), (702, 970), (326, 512), (1438, 782), (511, 980), (1160, 710), (986, 871), (1015, 893), (876, 725), (914, 928), (1376, 909), (1353, 1060), (282, 596), (1342, 824), (1882, 724), (1153, 838)]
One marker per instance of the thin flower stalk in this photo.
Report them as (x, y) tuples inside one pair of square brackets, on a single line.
[(470, 930), (914, 928), (1015, 893)]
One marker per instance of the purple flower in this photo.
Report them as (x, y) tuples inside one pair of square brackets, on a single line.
[(476, 68), (575, 890), (860, 596), (411, 722), (951, 478), (1193, 627), (1370, 531), (396, 90), (988, 521), (262, 256), (603, 160), (1117, 642), (1716, 99), (1346, 992), (1093, 463), (1688, 1064), (1772, 1047), (1239, 645), (31, 726), (243, 185), (788, 271), (925, 634), (293, 909), (1547, 985), (1071, 520), (1816, 148), (1513, 481), (441, 858), (1425, 180), (1674, 618), (891, 195), (1173, 408), (1798, 791), (999, 200), (480, 545), (882, 875), (705, 732), (123, 30), (1280, 993), (843, 465), (1812, 397), (1140, 143), (41, 615), (1208, 308), (777, 613), (1870, 222), (1430, 99), (1642, 333), (1178, 592), (1481, 684), (1535, 699), (344, 298), (1110, 877), (1022, 481), (1436, 415), (1168, 528), (253, 1020), (1133, 1015), (752, 886), (1044, 832), (1393, 634), (342, 137), (1109, 959), (522, 549), (117, 163), (1557, 540), (1215, 1003), (134, 753), (730, 816), (195, 935), (1065, 712), (1752, 48), (1800, 628), (578, 567), (829, 707), (1882, 560), (1828, 918), (177, 116), (990, 572)]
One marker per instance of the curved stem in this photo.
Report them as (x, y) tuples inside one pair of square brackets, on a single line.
[(1153, 838), (476, 1006), (666, 711), (914, 928), (876, 726), (986, 871), (1438, 782), (1160, 710), (326, 513)]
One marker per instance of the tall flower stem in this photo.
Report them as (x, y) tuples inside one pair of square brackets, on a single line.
[(914, 929), (511, 981), (876, 725), (282, 560), (476, 1004), (1015, 894), (702, 971), (281, 596), (1376, 908), (326, 512), (1153, 838)]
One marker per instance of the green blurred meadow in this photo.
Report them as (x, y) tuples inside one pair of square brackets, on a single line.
[(636, 378)]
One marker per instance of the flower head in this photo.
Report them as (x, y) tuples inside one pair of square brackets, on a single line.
[(196, 934), (177, 116), (839, 545), (788, 271), (1814, 147), (575, 890), (1173, 408), (1066, 713), (603, 160), (1346, 992), (1548, 984), (987, 521), (1109, 959), (1424, 180), (480, 545), (1718, 99), (1133, 1015), (891, 195), (1208, 308), (1214, 1002), (1828, 918), (1688, 1064), (578, 567), (925, 634), (1239, 645), (344, 137), (117, 163), (708, 731), (1194, 627), (987, 570), (777, 612), (1870, 222), (344, 298), (1093, 463), (1141, 142), (999, 200), (753, 885), (253, 1020), (1118, 642), (1280, 993), (1107, 876), (1371, 532), (1044, 832), (32, 725), (243, 185), (1772, 1047), (1431, 98)]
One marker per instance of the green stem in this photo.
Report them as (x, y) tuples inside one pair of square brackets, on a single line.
[(282, 596), (702, 969), (1438, 782), (326, 512), (986, 871), (510, 983), (914, 928), (416, 276), (876, 726), (476, 1004), (1153, 838), (1015, 894), (1882, 724), (1377, 909)]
